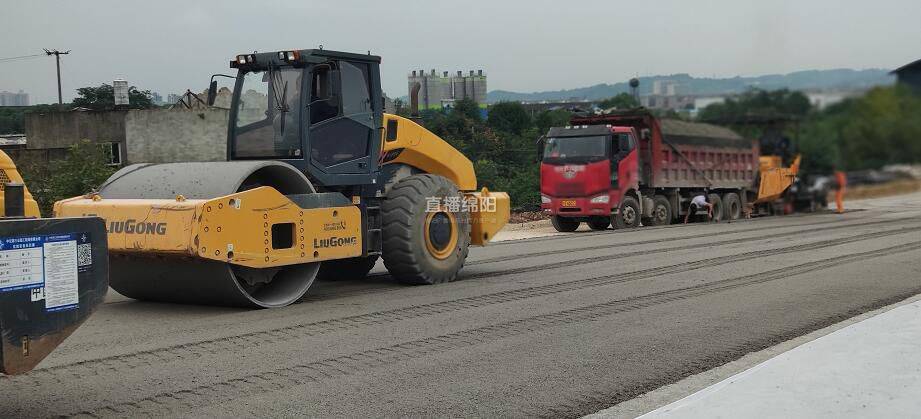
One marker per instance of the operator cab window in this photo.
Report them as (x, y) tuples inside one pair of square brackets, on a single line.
[(340, 113), (323, 102), (267, 117)]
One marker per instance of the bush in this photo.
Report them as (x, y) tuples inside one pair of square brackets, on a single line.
[(83, 170)]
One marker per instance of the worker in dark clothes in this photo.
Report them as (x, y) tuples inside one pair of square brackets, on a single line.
[(697, 203)]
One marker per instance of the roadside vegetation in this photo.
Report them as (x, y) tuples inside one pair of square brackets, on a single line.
[(84, 168), (879, 128)]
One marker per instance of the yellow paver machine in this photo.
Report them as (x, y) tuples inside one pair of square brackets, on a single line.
[(319, 182)]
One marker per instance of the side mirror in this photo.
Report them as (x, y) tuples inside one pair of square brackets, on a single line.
[(540, 148), (645, 134), (333, 100), (212, 92)]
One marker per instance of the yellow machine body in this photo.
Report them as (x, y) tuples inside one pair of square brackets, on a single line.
[(9, 173), (422, 149), (257, 228), (775, 179), (490, 215)]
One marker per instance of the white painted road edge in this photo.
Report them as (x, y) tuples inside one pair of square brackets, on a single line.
[(869, 368)]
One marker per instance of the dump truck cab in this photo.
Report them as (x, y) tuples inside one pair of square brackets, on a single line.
[(586, 171), (319, 111)]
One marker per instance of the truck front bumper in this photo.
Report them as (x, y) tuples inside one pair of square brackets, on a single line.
[(577, 207)]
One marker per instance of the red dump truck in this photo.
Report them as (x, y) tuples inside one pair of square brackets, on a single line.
[(631, 168)]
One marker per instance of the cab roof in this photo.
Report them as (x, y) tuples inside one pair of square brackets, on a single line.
[(580, 131), (302, 56)]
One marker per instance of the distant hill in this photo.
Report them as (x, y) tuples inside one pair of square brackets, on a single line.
[(840, 79)]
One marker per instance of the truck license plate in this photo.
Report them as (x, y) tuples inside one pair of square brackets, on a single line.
[(568, 203)]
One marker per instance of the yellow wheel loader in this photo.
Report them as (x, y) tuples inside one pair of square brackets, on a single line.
[(319, 182)]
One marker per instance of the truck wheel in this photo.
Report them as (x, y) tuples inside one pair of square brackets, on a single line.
[(661, 211), (717, 203), (732, 205), (423, 246), (599, 223), (345, 269), (564, 224), (629, 214)]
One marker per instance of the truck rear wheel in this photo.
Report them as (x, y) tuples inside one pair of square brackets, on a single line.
[(564, 224), (628, 216), (732, 205), (661, 211), (717, 203), (599, 223), (424, 243)]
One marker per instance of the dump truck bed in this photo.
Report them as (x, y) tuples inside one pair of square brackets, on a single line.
[(687, 154)]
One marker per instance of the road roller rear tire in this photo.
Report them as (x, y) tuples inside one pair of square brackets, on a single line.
[(421, 246), (346, 269)]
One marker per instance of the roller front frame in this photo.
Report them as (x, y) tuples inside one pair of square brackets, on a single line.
[(258, 228)]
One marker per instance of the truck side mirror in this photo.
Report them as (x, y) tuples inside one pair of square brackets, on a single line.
[(540, 148), (645, 134), (212, 92)]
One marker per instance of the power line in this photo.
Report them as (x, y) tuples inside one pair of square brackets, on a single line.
[(21, 57)]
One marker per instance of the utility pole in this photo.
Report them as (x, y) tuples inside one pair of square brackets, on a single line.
[(57, 56)]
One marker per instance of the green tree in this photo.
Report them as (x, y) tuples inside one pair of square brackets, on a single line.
[(882, 127), (554, 118), (757, 103), (468, 108), (621, 101), (400, 108), (103, 98), (508, 117), (11, 121), (84, 168)]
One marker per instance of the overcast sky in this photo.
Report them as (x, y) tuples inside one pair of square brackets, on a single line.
[(523, 45)]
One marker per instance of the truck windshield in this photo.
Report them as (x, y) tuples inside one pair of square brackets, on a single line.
[(267, 114), (575, 149)]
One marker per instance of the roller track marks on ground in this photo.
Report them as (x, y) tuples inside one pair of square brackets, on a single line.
[(582, 236), (602, 258), (156, 357), (304, 373), (644, 242)]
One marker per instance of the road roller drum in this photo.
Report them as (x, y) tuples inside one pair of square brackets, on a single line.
[(219, 233)]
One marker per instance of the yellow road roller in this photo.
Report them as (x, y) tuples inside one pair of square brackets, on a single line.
[(319, 182)]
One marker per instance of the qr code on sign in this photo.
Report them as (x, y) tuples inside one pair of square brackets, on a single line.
[(84, 254)]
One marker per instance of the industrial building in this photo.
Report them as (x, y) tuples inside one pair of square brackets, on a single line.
[(439, 91), (910, 75)]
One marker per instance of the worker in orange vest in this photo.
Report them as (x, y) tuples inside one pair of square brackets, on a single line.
[(841, 180)]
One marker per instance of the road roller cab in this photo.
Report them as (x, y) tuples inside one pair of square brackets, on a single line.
[(319, 182), (319, 111)]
